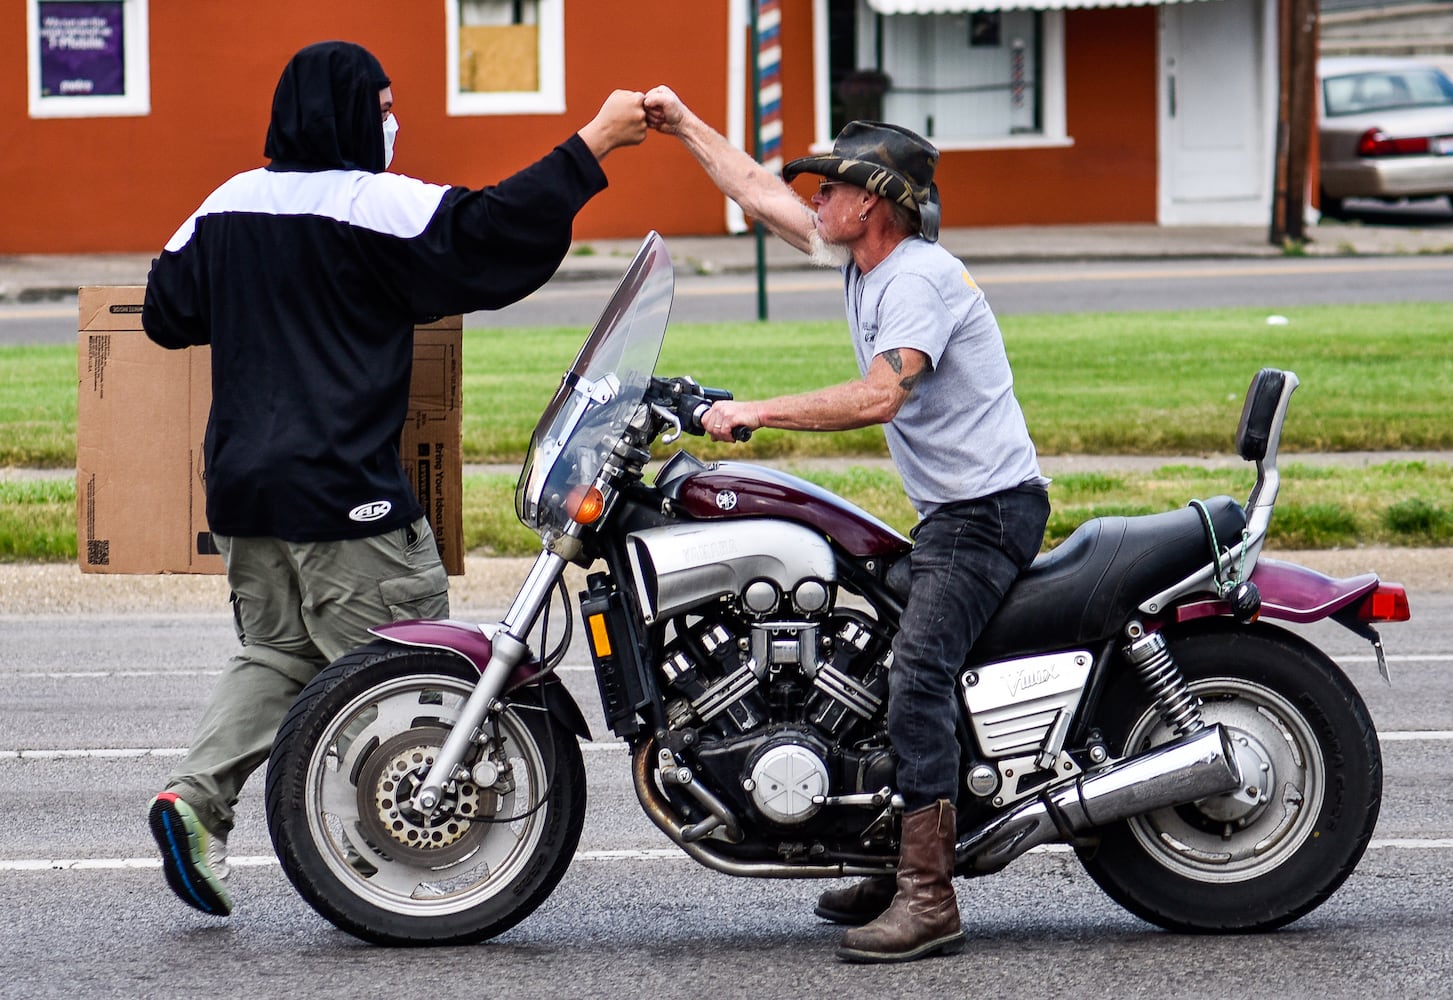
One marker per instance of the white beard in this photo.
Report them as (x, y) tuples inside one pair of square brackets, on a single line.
[(825, 254)]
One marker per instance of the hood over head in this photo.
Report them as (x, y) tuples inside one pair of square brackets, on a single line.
[(325, 113)]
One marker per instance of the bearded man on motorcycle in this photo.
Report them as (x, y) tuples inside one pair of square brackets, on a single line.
[(935, 374)]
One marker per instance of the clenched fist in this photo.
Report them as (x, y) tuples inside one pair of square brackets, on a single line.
[(621, 121), (664, 110)]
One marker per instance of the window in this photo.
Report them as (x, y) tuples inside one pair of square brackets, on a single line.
[(1383, 91), (506, 56), (88, 58), (963, 79)]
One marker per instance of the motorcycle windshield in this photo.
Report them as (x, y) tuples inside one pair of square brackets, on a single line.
[(580, 426)]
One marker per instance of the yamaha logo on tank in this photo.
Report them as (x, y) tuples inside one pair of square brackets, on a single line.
[(371, 511), (726, 499)]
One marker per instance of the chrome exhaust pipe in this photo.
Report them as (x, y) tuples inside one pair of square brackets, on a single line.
[(697, 843), (1191, 768)]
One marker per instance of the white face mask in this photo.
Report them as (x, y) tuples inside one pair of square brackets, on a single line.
[(390, 130)]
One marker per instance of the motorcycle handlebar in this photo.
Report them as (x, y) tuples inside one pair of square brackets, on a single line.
[(692, 401), (699, 410)]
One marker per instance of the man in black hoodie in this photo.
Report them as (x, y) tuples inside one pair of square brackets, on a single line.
[(307, 277)]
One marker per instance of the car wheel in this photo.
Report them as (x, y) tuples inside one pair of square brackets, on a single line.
[(1329, 206)]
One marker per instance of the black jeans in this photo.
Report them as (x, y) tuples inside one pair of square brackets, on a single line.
[(965, 557)]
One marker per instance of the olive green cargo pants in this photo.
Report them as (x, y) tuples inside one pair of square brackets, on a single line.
[(298, 606)]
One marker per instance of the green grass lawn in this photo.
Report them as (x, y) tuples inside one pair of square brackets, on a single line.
[(1373, 377)]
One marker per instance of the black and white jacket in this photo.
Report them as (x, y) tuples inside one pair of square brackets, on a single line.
[(307, 284)]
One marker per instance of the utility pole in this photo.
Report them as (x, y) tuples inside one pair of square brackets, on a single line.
[(1299, 43)]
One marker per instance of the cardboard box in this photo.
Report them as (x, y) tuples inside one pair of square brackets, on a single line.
[(141, 417)]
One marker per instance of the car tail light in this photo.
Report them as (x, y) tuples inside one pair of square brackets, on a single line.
[(1376, 142), (1388, 603)]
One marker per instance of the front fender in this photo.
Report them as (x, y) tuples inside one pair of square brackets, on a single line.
[(473, 643), (1290, 593), (465, 639)]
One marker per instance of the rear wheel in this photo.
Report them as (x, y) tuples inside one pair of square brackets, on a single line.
[(344, 768), (1330, 205), (1280, 845)]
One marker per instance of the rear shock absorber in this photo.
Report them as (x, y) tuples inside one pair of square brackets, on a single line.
[(1180, 709)]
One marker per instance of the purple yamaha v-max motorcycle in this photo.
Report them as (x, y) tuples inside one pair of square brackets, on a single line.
[(1214, 771)]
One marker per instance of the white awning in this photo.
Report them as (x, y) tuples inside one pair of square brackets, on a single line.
[(967, 6)]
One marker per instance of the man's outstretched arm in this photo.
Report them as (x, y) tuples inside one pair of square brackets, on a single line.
[(762, 194)]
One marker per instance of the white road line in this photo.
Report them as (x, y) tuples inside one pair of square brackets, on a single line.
[(124, 753), (267, 860), (609, 857), (596, 746), (95, 675)]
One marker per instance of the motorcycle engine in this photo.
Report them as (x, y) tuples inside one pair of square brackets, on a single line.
[(786, 713), (777, 695)]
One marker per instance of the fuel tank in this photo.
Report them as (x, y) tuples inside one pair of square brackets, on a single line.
[(730, 490)]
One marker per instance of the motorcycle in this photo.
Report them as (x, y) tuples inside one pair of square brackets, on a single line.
[(1131, 698)]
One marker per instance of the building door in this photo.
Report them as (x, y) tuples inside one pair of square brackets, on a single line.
[(1217, 112)]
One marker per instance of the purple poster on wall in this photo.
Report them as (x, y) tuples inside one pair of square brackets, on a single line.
[(82, 52)]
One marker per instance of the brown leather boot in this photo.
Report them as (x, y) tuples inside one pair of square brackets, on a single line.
[(858, 903), (924, 917)]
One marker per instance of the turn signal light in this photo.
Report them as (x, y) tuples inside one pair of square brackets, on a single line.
[(1388, 603), (599, 636), (1376, 142), (585, 504)]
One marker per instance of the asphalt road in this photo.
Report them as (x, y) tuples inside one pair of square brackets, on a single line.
[(95, 709), (1043, 287), (1012, 289)]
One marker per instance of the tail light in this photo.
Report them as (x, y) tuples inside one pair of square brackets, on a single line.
[(1376, 142), (1388, 603)]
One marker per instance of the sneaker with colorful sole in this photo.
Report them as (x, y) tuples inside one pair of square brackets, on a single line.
[(187, 854)]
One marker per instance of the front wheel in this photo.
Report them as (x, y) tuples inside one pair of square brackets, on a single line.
[(343, 771), (1274, 849)]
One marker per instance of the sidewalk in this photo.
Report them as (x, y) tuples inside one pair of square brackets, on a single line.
[(39, 277)]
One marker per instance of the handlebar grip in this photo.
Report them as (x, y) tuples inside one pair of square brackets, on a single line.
[(698, 412)]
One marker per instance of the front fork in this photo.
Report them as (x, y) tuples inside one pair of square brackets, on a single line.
[(509, 650)]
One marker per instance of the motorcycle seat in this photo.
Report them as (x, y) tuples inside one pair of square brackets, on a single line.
[(1087, 587)]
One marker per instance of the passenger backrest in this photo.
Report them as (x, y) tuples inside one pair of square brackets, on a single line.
[(1258, 413)]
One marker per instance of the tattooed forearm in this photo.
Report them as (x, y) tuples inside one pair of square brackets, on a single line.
[(895, 361)]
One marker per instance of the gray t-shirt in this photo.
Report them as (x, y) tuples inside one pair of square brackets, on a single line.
[(961, 434)]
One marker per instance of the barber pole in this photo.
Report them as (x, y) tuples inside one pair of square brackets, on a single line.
[(769, 88), (1016, 74), (766, 23)]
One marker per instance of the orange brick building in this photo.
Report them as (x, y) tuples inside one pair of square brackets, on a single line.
[(123, 114)]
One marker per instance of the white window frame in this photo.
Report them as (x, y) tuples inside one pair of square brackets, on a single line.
[(1053, 128), (135, 26), (548, 100)]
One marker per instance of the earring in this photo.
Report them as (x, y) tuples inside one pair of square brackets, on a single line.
[(863, 217)]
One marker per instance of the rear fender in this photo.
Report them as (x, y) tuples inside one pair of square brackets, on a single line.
[(528, 682), (1290, 593)]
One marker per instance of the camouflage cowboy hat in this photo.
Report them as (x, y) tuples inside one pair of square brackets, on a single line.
[(887, 160)]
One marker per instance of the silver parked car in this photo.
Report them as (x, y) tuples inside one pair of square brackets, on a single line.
[(1386, 130)]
